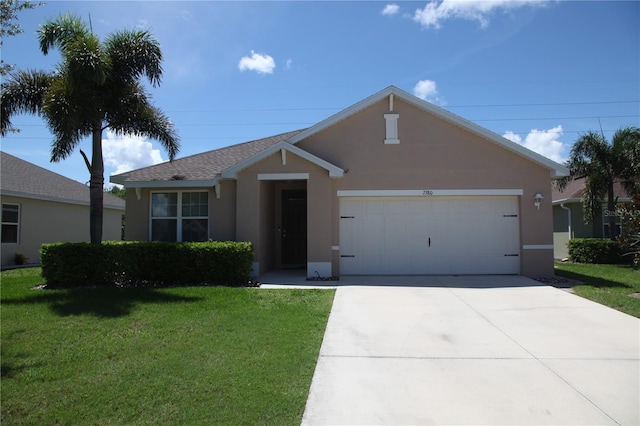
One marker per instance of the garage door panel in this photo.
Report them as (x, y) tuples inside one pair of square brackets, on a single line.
[(435, 235)]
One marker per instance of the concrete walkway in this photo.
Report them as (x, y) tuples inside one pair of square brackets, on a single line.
[(473, 351)]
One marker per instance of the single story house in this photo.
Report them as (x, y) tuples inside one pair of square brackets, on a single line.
[(569, 220), (40, 206), (390, 185)]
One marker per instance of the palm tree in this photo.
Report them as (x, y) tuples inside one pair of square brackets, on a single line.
[(96, 86), (602, 164)]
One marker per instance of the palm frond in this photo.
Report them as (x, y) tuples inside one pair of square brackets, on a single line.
[(130, 112), (156, 125), (626, 152), (24, 92), (85, 60), (590, 147), (596, 189), (135, 54), (68, 111), (61, 31)]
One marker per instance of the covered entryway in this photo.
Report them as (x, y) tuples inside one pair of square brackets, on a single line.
[(429, 235)]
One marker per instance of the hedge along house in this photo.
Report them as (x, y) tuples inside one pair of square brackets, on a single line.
[(390, 185)]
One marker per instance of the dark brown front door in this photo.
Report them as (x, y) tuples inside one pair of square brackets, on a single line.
[(294, 228)]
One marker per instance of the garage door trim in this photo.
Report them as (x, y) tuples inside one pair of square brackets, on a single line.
[(426, 192), (395, 237)]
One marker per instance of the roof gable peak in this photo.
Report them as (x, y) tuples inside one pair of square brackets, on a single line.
[(556, 170)]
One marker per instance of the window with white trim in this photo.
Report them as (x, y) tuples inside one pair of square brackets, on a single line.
[(10, 223), (179, 216)]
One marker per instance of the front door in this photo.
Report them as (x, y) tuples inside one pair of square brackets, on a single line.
[(294, 228)]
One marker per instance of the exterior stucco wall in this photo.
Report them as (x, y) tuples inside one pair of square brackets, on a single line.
[(579, 229), (221, 212), (560, 248), (267, 220), (137, 217), (50, 222), (561, 230), (434, 154)]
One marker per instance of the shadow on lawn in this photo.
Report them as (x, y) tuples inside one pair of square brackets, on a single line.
[(593, 281), (103, 303)]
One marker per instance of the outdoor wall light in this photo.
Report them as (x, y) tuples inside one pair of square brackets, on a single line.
[(537, 200)]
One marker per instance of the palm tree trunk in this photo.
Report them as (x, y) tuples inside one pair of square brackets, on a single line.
[(611, 216), (96, 184)]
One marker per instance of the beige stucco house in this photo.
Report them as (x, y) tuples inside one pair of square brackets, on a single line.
[(390, 185), (40, 206)]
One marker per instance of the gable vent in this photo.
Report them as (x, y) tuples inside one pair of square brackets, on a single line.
[(391, 125)]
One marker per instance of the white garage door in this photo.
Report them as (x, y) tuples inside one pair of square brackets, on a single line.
[(430, 235)]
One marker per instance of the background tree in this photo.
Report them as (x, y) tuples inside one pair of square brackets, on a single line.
[(117, 192), (8, 23), (96, 86), (602, 164)]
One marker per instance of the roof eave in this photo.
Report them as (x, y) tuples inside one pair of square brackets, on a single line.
[(232, 172), (29, 196), (168, 183), (579, 200)]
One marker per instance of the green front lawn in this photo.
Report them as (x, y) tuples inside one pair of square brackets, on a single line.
[(191, 355), (610, 285)]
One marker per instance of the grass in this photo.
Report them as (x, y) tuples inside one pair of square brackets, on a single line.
[(190, 355), (609, 285)]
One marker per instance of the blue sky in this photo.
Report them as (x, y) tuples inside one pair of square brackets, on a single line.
[(537, 72)]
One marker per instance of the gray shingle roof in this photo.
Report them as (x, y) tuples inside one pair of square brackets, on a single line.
[(204, 166), (23, 179), (575, 189)]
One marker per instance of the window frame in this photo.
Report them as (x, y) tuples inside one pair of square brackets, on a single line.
[(605, 222), (16, 224), (179, 217)]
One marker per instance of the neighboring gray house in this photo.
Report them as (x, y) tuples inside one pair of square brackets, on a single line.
[(568, 216), (39, 206)]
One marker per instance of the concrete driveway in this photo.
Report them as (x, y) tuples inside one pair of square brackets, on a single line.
[(474, 351)]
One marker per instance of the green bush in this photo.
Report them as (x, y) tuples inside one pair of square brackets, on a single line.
[(595, 250), (143, 263)]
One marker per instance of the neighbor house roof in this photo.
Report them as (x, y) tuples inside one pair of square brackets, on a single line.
[(557, 170), (573, 192), (200, 169), (19, 178)]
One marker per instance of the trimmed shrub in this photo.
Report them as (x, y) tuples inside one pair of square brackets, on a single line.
[(144, 263), (595, 250)]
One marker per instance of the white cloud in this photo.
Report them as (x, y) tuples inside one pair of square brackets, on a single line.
[(125, 153), (437, 11), (544, 142), (186, 16), (288, 63), (262, 64), (390, 9), (428, 91)]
